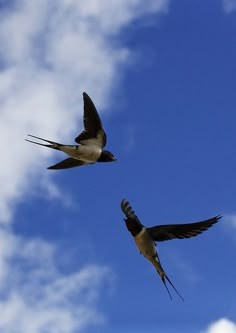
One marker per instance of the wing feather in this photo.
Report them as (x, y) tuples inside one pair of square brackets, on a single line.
[(93, 131), (171, 231), (67, 163), (132, 222)]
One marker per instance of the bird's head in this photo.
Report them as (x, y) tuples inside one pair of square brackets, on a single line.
[(106, 156), (133, 226)]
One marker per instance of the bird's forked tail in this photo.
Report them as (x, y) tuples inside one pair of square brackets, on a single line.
[(164, 281), (51, 144), (164, 277)]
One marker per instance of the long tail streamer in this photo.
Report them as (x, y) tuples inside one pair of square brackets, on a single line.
[(163, 280)]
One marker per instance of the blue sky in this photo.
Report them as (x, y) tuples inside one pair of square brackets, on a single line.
[(162, 76)]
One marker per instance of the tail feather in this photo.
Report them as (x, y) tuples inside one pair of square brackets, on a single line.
[(163, 280), (163, 276), (37, 137), (52, 144)]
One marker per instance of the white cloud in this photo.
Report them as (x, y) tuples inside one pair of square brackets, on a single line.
[(229, 5), (50, 53), (222, 325), (37, 297)]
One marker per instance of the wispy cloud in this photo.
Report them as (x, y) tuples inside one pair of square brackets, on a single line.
[(129, 135), (229, 6), (222, 325), (37, 297), (186, 268), (50, 53), (230, 219)]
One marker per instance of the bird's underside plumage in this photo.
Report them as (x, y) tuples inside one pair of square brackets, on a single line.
[(91, 142), (145, 238)]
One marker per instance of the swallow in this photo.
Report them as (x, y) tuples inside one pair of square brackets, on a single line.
[(146, 238), (91, 142)]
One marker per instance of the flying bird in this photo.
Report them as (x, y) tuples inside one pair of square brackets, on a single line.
[(146, 238), (91, 142)]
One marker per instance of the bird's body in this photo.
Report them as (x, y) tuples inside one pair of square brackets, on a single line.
[(91, 142), (147, 248), (146, 238), (86, 153), (145, 244)]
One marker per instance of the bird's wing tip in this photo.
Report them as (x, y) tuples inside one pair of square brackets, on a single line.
[(124, 201), (124, 205)]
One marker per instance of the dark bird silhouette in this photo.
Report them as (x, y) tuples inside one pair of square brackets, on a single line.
[(146, 238), (91, 142)]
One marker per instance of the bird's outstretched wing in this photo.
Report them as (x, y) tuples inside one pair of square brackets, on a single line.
[(128, 211), (132, 222), (67, 163), (93, 131), (171, 231)]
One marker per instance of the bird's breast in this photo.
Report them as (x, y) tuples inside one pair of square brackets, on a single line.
[(86, 153), (145, 244)]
